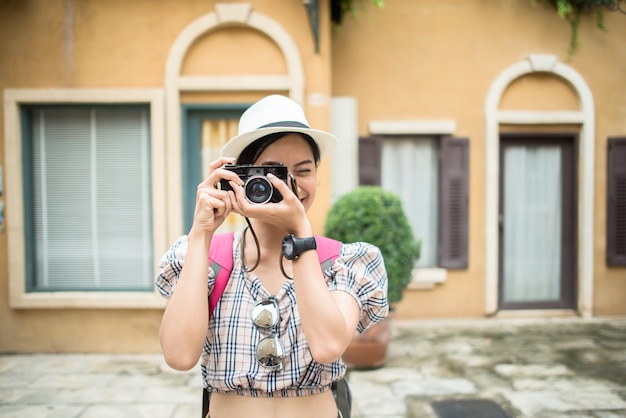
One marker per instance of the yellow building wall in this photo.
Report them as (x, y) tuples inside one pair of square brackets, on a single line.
[(432, 59), (125, 44), (414, 59)]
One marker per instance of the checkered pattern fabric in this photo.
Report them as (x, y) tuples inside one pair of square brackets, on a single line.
[(228, 360)]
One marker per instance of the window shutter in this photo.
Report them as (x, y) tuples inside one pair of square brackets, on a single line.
[(370, 157), (453, 203), (616, 203)]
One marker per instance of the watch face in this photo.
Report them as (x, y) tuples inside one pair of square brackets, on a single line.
[(287, 247)]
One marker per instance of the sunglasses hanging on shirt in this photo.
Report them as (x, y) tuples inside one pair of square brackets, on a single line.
[(270, 351)]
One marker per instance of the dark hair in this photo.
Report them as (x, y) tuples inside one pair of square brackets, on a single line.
[(252, 151)]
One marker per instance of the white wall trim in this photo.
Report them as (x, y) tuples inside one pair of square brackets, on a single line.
[(412, 127), (344, 168), (225, 15), (427, 278), (586, 118), (13, 99)]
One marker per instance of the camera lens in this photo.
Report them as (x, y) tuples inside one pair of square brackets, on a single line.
[(258, 190)]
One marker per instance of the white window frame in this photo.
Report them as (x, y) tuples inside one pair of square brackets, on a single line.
[(19, 298), (423, 278)]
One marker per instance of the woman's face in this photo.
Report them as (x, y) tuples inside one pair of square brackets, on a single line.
[(295, 153)]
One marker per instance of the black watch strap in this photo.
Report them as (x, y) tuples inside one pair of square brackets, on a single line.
[(294, 246)]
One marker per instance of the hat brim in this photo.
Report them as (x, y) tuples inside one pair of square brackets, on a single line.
[(325, 141)]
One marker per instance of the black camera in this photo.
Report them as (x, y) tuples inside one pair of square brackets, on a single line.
[(257, 187)]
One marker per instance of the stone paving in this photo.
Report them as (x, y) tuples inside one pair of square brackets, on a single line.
[(567, 367), (96, 386)]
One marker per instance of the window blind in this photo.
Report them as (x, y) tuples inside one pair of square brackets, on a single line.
[(410, 168), (90, 174)]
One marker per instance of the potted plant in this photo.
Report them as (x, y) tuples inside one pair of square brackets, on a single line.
[(376, 216)]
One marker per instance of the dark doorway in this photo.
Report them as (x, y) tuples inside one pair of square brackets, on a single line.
[(538, 221)]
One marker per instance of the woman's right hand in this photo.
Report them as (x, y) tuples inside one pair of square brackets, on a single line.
[(185, 320), (213, 204)]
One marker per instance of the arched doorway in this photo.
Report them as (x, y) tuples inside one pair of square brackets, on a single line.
[(227, 16), (583, 118)]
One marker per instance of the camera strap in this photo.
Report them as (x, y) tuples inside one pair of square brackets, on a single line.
[(221, 261)]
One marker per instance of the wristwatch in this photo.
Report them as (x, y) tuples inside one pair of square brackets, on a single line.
[(293, 246)]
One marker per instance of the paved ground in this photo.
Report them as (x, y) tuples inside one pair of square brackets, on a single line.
[(529, 368)]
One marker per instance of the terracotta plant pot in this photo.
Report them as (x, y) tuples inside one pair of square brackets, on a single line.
[(369, 349)]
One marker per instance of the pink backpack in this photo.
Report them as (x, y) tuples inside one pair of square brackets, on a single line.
[(221, 261)]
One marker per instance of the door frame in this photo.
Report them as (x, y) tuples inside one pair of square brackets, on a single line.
[(584, 120), (568, 142), (192, 116)]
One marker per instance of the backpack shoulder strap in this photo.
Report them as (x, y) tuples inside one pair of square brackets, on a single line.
[(221, 262), (327, 251)]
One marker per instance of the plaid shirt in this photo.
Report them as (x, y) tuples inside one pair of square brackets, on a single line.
[(228, 361)]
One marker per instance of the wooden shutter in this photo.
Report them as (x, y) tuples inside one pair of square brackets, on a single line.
[(453, 203), (616, 203), (370, 160)]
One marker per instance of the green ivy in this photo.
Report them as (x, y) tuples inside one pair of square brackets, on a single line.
[(340, 8), (347, 6), (373, 215), (572, 10)]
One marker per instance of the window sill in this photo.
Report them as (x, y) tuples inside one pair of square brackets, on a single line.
[(88, 300), (427, 278), (14, 198)]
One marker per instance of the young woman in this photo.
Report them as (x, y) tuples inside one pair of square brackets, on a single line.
[(272, 347)]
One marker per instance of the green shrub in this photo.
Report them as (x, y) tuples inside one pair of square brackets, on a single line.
[(373, 215)]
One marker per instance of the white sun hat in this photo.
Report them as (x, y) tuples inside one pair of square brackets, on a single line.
[(273, 114)]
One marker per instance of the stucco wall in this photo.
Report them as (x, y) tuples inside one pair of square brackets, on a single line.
[(433, 59), (426, 59), (91, 44)]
